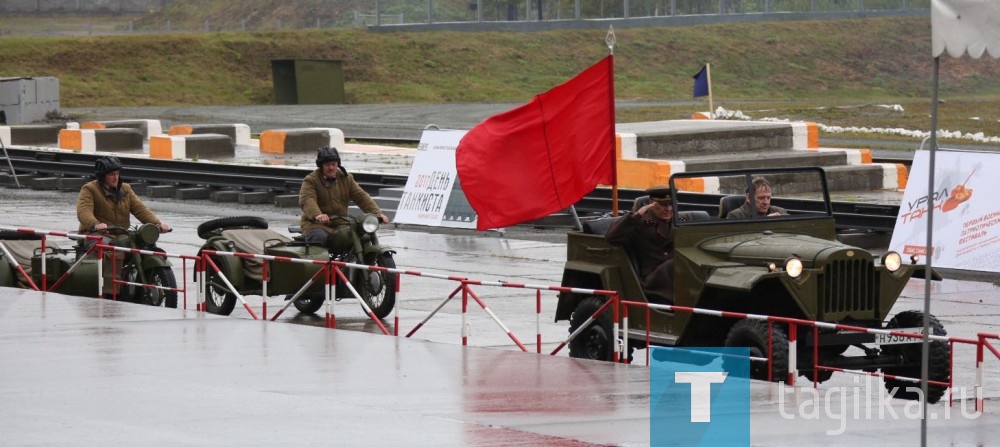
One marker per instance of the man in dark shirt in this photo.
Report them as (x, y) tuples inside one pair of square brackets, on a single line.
[(760, 201), (648, 233)]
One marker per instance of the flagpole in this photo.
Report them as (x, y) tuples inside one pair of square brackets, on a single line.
[(708, 75), (610, 40)]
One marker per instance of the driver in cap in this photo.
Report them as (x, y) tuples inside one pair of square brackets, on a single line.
[(649, 234)]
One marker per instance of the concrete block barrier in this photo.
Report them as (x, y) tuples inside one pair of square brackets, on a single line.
[(72, 183), (31, 134), (225, 196), (148, 128), (8, 180), (285, 141), (44, 183), (140, 187), (854, 156), (161, 191), (93, 140), (239, 133), (286, 200), (193, 193), (255, 197), (209, 145)]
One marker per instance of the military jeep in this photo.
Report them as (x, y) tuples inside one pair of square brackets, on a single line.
[(786, 266)]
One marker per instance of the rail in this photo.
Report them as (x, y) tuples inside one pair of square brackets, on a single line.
[(867, 217)]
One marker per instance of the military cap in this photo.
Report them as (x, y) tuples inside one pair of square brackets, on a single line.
[(659, 194)]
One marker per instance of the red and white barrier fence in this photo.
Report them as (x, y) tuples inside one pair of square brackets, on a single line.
[(981, 344)]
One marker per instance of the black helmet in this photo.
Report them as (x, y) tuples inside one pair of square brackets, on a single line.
[(327, 154), (105, 165)]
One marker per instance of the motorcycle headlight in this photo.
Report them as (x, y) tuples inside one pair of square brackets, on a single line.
[(370, 223), (793, 266), (892, 261), (148, 234)]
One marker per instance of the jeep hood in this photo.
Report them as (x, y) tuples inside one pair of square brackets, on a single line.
[(771, 246)]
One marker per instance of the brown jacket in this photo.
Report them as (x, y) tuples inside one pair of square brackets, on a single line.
[(317, 196), (96, 204)]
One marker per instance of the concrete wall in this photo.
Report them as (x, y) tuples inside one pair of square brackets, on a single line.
[(88, 6), (25, 100)]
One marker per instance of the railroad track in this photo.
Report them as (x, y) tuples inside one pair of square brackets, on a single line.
[(283, 180)]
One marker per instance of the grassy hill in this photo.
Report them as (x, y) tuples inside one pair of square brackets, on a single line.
[(799, 64)]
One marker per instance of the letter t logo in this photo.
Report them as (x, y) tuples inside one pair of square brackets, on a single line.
[(701, 392)]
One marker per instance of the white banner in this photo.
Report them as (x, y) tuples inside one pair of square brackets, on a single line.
[(966, 214), (433, 196)]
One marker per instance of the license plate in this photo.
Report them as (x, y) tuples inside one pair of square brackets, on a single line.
[(889, 339)]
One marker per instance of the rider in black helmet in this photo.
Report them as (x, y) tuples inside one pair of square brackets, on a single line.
[(108, 201), (328, 191)]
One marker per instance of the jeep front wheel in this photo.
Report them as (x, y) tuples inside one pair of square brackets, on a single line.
[(753, 334), (910, 356), (595, 342)]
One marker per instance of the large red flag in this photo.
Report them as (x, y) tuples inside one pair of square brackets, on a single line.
[(544, 156)]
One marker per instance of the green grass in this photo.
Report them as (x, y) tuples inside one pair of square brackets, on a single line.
[(834, 72)]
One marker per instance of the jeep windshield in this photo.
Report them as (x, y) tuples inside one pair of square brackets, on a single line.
[(750, 195)]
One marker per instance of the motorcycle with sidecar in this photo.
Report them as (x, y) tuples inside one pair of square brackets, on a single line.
[(357, 243), (74, 271)]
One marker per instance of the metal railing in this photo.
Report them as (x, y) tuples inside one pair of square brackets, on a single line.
[(389, 15)]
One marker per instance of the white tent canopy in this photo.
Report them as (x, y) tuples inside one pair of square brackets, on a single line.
[(965, 25)]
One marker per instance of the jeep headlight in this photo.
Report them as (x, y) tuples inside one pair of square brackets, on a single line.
[(892, 261), (370, 223), (793, 266)]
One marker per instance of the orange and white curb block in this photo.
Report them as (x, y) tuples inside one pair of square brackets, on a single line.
[(805, 135), (79, 140), (894, 175), (275, 141), (167, 147)]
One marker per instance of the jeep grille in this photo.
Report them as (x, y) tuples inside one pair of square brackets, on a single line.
[(848, 286)]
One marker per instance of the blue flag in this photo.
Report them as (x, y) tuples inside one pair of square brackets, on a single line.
[(701, 82)]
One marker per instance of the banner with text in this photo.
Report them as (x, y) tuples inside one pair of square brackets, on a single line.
[(966, 216), (433, 195)]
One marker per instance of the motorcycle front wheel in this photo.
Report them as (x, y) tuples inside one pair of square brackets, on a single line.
[(378, 289)]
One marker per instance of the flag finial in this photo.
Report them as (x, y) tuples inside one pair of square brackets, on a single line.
[(610, 39)]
